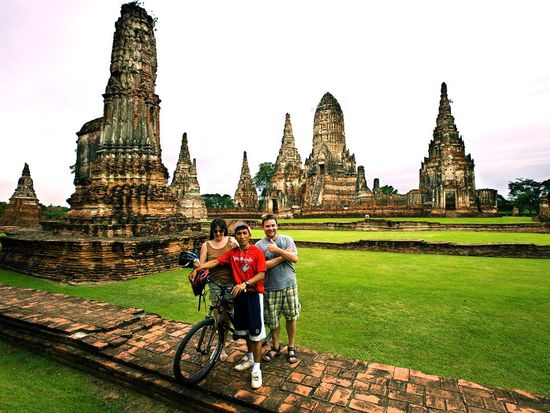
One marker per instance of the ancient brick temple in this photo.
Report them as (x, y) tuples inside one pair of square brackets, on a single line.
[(120, 179), (447, 180), (329, 182), (23, 210), (245, 195), (285, 191), (124, 220), (185, 185), (330, 174)]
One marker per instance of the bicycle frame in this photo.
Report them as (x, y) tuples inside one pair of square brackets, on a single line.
[(219, 305)]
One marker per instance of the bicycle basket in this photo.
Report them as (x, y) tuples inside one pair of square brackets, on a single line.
[(187, 258), (199, 282)]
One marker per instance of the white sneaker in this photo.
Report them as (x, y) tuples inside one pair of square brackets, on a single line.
[(256, 379), (245, 365)]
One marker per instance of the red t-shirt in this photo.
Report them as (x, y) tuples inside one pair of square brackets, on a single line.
[(245, 264)]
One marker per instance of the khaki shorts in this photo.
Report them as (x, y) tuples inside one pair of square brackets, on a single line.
[(215, 292)]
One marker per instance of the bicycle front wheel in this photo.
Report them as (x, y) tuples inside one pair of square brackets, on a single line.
[(198, 352)]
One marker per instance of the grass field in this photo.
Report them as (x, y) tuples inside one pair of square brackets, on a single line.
[(442, 220), (467, 237), (32, 382), (481, 319)]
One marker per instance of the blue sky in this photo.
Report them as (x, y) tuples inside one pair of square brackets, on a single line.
[(229, 71)]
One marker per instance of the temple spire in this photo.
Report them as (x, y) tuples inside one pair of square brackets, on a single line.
[(245, 195), (288, 135), (184, 151), (185, 185), (445, 119)]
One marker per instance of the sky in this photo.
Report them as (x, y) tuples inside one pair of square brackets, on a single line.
[(229, 71)]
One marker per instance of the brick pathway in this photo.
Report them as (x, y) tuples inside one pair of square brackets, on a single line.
[(134, 347)]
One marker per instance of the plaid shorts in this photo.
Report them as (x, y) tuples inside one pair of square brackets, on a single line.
[(281, 302)]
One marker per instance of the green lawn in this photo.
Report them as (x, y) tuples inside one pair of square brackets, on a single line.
[(470, 220), (442, 220), (32, 382), (481, 319), (468, 237)]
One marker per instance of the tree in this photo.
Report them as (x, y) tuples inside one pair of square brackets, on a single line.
[(2, 207), (388, 190), (217, 201), (53, 212), (262, 178), (525, 193), (504, 205)]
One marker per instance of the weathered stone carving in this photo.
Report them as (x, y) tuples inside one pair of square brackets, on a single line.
[(246, 196), (185, 185), (23, 210), (284, 191), (330, 175)]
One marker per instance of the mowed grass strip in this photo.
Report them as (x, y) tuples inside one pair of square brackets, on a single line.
[(459, 237), (442, 220), (476, 318)]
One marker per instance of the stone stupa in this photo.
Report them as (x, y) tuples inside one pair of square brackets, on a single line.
[(23, 210)]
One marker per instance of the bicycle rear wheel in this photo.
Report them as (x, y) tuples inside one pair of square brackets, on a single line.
[(198, 352)]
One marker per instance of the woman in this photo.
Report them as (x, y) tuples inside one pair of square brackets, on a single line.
[(218, 242)]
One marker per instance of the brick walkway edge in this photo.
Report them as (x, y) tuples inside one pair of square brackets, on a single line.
[(130, 346)]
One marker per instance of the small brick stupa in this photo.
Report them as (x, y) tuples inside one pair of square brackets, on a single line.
[(23, 209), (246, 196), (185, 185)]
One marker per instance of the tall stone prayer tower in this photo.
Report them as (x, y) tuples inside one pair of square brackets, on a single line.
[(124, 220), (330, 172), (119, 175), (447, 180)]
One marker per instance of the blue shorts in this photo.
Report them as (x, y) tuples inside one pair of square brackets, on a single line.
[(249, 315)]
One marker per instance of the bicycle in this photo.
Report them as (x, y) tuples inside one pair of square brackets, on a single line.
[(200, 349)]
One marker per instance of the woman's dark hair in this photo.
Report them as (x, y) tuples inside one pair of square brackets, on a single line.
[(218, 222)]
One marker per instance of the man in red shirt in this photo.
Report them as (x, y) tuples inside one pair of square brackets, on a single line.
[(248, 267)]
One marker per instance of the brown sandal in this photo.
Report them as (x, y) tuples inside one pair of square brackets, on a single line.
[(292, 356), (271, 353)]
